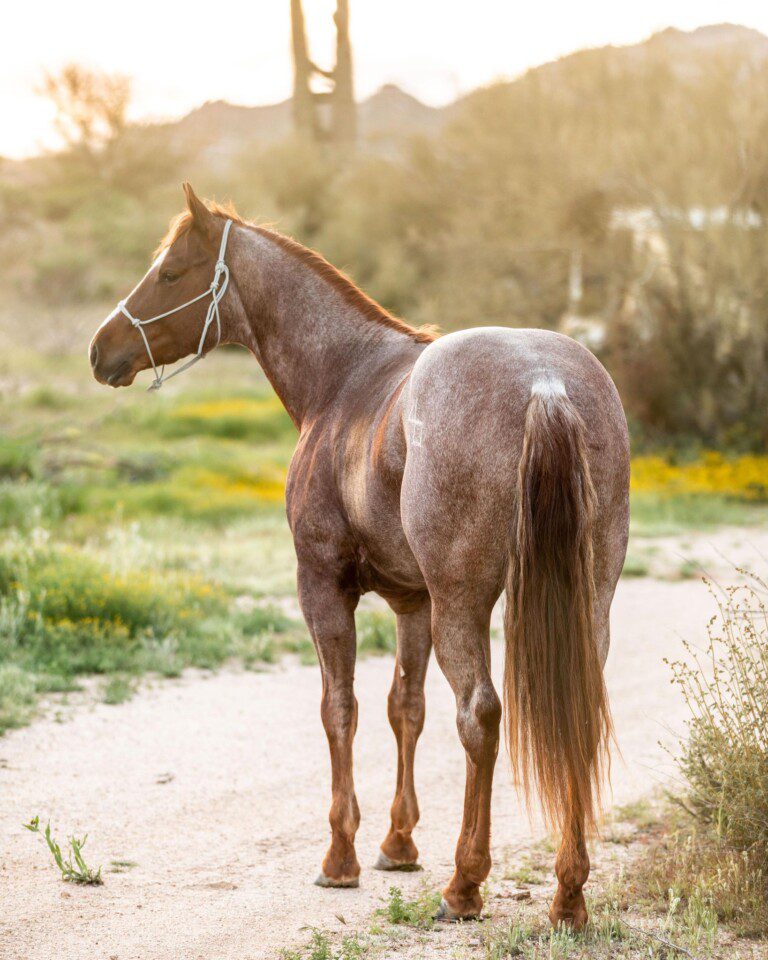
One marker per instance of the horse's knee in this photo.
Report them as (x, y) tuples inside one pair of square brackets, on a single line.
[(479, 716)]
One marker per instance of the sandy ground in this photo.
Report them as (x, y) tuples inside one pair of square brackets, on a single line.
[(217, 789)]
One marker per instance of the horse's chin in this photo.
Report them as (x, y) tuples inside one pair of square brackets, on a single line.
[(125, 380), (122, 375)]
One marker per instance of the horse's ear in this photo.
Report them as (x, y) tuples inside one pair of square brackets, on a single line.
[(202, 217)]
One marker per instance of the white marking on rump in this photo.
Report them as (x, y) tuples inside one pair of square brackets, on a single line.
[(548, 387)]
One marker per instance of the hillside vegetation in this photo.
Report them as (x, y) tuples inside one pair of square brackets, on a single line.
[(647, 164)]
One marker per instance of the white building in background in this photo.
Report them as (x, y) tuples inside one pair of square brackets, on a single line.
[(648, 231)]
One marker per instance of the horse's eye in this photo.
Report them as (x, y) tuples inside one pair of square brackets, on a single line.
[(168, 276)]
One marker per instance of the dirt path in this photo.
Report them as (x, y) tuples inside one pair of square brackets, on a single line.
[(226, 851)]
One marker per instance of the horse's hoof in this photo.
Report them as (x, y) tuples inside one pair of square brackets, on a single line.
[(573, 916), (448, 915), (387, 863), (323, 881), (574, 924)]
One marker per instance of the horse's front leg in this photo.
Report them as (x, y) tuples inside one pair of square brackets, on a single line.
[(329, 612), (406, 715)]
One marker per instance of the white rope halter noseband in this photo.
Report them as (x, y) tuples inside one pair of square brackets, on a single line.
[(216, 291)]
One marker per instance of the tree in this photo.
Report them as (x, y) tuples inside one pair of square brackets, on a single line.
[(91, 106)]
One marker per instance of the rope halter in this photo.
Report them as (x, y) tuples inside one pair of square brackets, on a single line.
[(216, 291)]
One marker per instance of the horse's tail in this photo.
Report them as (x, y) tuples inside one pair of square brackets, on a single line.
[(558, 719)]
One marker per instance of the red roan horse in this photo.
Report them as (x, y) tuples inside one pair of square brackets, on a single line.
[(437, 473)]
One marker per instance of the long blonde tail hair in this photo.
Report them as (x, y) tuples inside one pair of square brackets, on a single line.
[(558, 718)]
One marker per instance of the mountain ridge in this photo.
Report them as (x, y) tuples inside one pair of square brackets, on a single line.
[(391, 114)]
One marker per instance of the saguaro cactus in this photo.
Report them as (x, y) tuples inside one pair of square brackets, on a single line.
[(341, 126)]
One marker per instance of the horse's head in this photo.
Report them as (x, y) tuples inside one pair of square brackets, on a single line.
[(182, 271)]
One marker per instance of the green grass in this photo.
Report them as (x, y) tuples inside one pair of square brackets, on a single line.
[(320, 947), (18, 459), (659, 515), (680, 931), (63, 612), (531, 870), (641, 814), (418, 912)]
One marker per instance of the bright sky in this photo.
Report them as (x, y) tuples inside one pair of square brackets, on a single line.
[(181, 54)]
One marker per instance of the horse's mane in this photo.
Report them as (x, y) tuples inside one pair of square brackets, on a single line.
[(350, 292)]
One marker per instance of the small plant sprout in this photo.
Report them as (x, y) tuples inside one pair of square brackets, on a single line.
[(74, 869)]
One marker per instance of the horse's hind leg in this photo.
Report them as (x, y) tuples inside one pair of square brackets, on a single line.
[(461, 635), (406, 714)]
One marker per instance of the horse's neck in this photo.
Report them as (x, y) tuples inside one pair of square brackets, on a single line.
[(308, 339)]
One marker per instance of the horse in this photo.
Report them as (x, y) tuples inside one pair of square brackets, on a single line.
[(439, 472)]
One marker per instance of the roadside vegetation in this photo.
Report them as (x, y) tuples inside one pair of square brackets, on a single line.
[(144, 535), (689, 876)]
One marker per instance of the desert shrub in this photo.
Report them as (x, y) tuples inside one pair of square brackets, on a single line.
[(25, 505), (259, 620), (688, 349), (17, 695), (62, 274), (724, 758)]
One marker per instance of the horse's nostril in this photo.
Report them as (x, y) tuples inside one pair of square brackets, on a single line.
[(94, 354)]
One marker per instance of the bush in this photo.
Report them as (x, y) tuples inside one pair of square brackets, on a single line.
[(17, 695), (724, 759), (739, 478), (26, 505), (376, 633), (64, 613), (688, 865), (18, 459)]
